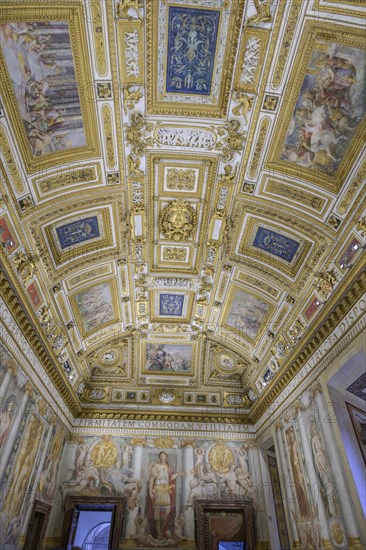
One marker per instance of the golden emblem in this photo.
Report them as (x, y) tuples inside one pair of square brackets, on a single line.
[(337, 532), (104, 454), (220, 458), (178, 220)]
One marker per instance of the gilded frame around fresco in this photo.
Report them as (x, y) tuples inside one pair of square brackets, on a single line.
[(164, 373), (247, 249), (72, 13), (238, 331), (155, 317), (218, 106), (73, 252), (114, 301), (333, 34)]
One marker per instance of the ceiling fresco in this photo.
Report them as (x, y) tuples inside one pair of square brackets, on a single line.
[(182, 194)]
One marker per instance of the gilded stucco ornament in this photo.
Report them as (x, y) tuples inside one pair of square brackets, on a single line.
[(178, 220), (131, 96), (296, 330), (361, 226), (136, 134), (325, 284), (25, 266), (245, 104), (232, 140), (263, 14), (128, 9)]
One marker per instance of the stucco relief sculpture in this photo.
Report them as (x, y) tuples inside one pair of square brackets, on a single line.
[(178, 220)]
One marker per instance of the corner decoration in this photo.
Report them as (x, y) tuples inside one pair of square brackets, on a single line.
[(178, 220), (47, 94)]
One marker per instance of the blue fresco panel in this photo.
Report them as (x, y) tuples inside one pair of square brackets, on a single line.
[(171, 304), (276, 244), (78, 231), (192, 37)]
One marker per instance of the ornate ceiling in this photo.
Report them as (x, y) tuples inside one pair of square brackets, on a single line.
[(182, 200)]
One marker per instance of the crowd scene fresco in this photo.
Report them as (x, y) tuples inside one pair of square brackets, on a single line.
[(39, 60)]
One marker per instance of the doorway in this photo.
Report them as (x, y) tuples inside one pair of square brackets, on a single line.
[(94, 523)]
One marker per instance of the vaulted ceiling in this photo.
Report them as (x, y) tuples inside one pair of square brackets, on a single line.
[(182, 194)]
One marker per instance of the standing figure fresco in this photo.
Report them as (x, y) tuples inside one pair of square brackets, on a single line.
[(301, 495), (323, 470), (161, 498)]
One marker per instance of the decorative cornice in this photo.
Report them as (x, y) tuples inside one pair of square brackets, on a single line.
[(35, 339), (335, 311)]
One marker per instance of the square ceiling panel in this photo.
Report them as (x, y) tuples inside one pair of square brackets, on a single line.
[(172, 306), (273, 245), (189, 59), (96, 306), (246, 314)]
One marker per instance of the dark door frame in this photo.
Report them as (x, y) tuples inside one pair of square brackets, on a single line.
[(43, 511), (74, 505)]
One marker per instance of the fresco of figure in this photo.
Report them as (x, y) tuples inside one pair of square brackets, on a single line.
[(162, 497), (322, 468), (6, 418)]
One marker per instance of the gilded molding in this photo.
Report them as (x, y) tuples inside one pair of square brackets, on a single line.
[(292, 19), (28, 322), (72, 13), (108, 135), (74, 176), (335, 310), (10, 162), (98, 35), (354, 186), (262, 134)]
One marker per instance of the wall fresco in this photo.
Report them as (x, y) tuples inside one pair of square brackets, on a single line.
[(25, 424)]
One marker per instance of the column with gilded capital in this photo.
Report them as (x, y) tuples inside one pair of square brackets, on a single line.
[(6, 451), (138, 446), (345, 501), (188, 466)]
